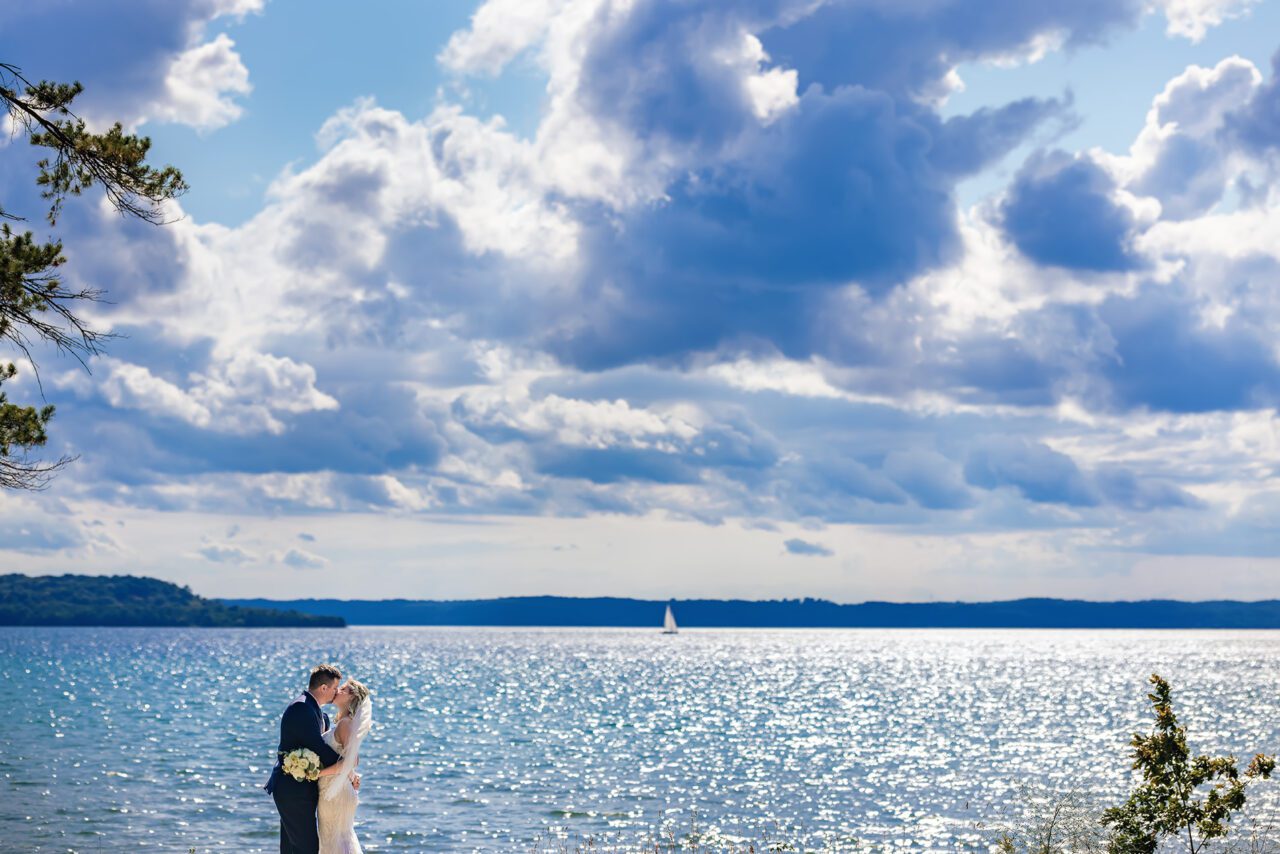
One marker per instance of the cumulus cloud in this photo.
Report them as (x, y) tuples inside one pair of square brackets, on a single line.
[(499, 31), (1179, 157), (1062, 211), (163, 70), (1194, 18), (735, 226), (1256, 124), (1211, 131), (135, 387), (200, 85), (244, 394)]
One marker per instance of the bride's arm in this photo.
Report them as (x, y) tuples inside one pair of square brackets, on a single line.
[(333, 769), (340, 736)]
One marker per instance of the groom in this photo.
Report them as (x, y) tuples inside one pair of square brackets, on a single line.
[(303, 725)]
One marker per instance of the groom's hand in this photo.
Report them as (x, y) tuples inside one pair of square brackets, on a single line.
[(355, 782)]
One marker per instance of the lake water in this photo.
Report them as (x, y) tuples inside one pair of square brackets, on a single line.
[(488, 739)]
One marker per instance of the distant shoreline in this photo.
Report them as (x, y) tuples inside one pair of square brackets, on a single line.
[(128, 601), (615, 612)]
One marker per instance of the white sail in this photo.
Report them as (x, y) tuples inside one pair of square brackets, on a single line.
[(669, 623)]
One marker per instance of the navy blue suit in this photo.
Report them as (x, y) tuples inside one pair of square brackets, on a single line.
[(302, 725)]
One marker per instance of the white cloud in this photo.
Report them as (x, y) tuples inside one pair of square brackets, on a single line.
[(579, 423), (172, 71), (404, 496), (200, 87), (235, 8), (500, 31), (772, 90), (241, 395), (488, 182), (277, 383), (128, 386), (1192, 19), (1237, 235), (312, 490), (779, 375), (1179, 157)]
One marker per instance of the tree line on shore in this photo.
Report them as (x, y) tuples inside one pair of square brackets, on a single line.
[(126, 600), (790, 613)]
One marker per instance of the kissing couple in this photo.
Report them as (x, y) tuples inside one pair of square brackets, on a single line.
[(314, 780)]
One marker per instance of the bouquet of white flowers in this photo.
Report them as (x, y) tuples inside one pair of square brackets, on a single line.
[(301, 764)]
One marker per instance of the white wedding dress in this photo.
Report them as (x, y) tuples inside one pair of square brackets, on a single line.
[(337, 814)]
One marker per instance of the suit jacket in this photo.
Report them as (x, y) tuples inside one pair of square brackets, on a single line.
[(302, 725)]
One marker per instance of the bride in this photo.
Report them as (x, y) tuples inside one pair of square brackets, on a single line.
[(338, 798)]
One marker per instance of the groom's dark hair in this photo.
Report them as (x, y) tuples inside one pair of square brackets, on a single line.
[(323, 674)]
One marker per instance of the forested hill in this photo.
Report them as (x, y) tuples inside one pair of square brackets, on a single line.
[(793, 613), (127, 600)]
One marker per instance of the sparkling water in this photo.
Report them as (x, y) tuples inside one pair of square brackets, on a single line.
[(495, 739)]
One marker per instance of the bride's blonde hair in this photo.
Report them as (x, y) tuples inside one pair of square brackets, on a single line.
[(359, 693)]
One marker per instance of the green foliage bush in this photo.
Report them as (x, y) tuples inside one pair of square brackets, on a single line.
[(1181, 803), (1181, 797)]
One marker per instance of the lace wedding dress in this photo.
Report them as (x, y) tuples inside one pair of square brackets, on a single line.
[(337, 813)]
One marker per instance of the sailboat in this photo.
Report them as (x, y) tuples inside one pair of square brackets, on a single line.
[(669, 623)]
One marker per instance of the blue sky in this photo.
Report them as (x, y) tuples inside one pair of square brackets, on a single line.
[(856, 299)]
